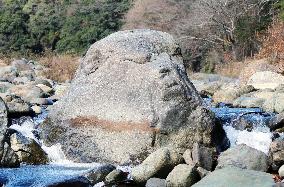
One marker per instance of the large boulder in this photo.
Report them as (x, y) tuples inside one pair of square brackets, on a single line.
[(130, 96), (236, 177)]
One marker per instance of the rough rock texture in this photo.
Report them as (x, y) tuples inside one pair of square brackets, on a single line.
[(98, 175), (156, 182), (229, 94), (266, 79), (3, 119), (158, 164), (183, 175), (130, 96), (281, 171), (28, 150), (276, 121), (236, 177), (244, 157), (275, 104), (203, 156), (210, 83), (276, 153), (202, 172), (8, 157), (116, 176)]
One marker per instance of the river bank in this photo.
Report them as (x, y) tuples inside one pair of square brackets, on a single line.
[(139, 122)]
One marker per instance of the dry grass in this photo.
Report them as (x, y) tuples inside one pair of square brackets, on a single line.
[(230, 69), (59, 67)]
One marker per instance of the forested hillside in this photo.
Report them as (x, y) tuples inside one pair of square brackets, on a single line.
[(210, 31), (70, 26)]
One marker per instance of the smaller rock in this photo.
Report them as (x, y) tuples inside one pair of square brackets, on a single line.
[(202, 172), (3, 119), (99, 174), (244, 157), (36, 109), (116, 176), (276, 151), (228, 95), (43, 82), (248, 102), (156, 182), (187, 156), (18, 107), (203, 156), (27, 92), (236, 177), (20, 80), (45, 89), (28, 150), (8, 73), (158, 164), (8, 157), (275, 104), (60, 90), (4, 86), (276, 122), (265, 79), (21, 65), (281, 171), (182, 175)]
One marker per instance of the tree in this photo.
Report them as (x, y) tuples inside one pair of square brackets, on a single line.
[(45, 23), (233, 24), (90, 22), (14, 34), (65, 26)]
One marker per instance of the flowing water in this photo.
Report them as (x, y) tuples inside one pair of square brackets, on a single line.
[(60, 169)]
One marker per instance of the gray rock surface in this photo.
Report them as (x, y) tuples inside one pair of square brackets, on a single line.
[(244, 157), (203, 156), (130, 96), (276, 153), (156, 182), (8, 157), (99, 175), (116, 176), (3, 119), (28, 150), (158, 164), (182, 175), (281, 171), (266, 79), (236, 177), (202, 172), (229, 93)]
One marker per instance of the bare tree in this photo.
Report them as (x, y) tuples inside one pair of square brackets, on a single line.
[(219, 20)]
